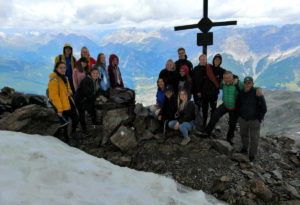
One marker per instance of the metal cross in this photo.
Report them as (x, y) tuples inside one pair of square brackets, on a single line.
[(205, 24)]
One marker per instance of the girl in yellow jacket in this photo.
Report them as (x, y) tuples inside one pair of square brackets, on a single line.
[(60, 95)]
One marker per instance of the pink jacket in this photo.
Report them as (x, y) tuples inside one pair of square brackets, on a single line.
[(77, 78)]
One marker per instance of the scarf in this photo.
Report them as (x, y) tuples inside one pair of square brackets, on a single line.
[(212, 76)]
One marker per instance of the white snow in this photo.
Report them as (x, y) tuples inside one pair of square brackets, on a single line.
[(38, 170)]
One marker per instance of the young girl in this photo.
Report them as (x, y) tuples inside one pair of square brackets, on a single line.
[(184, 80), (155, 109), (103, 73), (184, 116), (80, 72), (60, 95), (86, 54)]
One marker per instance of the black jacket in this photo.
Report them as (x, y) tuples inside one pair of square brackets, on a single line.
[(170, 78), (169, 108), (250, 106), (188, 113), (197, 79), (181, 62), (87, 92), (187, 84)]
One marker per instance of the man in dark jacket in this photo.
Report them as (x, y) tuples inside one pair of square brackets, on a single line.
[(251, 109), (182, 60), (212, 76)]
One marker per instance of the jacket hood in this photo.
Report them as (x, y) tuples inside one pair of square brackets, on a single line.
[(217, 56), (68, 45), (111, 57)]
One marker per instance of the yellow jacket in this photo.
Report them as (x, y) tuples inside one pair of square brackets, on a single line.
[(58, 93)]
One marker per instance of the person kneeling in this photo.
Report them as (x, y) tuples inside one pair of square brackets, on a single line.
[(184, 116), (86, 95)]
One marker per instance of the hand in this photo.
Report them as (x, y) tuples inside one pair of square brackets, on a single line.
[(176, 127), (59, 114), (159, 117), (235, 81), (156, 105), (259, 92), (199, 94), (98, 99)]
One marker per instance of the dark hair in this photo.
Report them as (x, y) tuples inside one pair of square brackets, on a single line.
[(57, 64), (157, 83), (95, 68), (181, 49), (86, 68)]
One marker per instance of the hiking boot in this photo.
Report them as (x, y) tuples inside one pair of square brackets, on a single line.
[(185, 141), (63, 122)]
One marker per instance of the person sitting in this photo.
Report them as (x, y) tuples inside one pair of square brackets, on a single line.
[(80, 72), (103, 74), (114, 72), (170, 75), (169, 108), (185, 81), (86, 54), (155, 109), (86, 96), (60, 96), (184, 117)]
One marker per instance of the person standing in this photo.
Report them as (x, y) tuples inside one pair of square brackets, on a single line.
[(60, 95), (251, 110), (70, 61), (170, 75), (79, 73), (114, 72), (184, 80), (86, 54), (103, 73), (182, 60)]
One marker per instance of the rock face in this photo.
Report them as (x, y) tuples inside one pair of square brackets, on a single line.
[(212, 165), (31, 119)]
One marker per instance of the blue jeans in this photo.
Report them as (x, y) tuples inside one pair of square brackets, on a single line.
[(184, 127)]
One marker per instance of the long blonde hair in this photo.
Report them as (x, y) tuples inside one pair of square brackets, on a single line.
[(182, 103)]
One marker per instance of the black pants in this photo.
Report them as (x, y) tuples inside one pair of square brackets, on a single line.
[(219, 112), (197, 100), (212, 102), (70, 114), (86, 106)]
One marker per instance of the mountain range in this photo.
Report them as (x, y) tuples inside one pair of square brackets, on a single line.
[(270, 54)]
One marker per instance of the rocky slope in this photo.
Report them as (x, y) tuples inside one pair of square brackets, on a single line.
[(127, 137)]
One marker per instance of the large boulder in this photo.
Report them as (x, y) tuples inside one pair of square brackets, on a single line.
[(31, 119), (112, 120), (124, 139), (222, 146)]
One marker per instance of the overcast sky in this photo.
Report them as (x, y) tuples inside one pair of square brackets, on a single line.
[(114, 14)]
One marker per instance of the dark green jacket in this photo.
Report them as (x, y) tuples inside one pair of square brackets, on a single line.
[(230, 93)]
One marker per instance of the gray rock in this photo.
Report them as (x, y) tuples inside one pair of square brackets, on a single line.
[(222, 146), (120, 160), (249, 174), (124, 139), (152, 124), (240, 158), (277, 174), (276, 156), (31, 119), (140, 124), (140, 110), (291, 202), (112, 120), (146, 135), (292, 190)]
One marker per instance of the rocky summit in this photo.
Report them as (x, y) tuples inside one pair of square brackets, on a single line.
[(127, 136)]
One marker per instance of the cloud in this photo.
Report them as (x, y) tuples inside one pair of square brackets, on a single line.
[(78, 14)]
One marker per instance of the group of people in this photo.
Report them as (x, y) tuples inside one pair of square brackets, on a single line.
[(75, 85), (179, 82)]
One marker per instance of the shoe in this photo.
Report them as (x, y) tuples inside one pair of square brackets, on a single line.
[(185, 141), (244, 150), (251, 158)]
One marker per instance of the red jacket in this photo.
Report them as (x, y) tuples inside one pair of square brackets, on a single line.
[(91, 60), (113, 83)]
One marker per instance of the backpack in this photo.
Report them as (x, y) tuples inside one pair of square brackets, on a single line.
[(37, 100), (47, 90), (18, 101), (122, 95)]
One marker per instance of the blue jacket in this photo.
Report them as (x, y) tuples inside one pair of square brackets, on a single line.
[(104, 78), (160, 96)]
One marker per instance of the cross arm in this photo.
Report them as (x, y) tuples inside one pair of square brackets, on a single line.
[(225, 23), (177, 28)]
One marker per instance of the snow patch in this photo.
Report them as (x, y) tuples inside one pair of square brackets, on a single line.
[(43, 170)]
